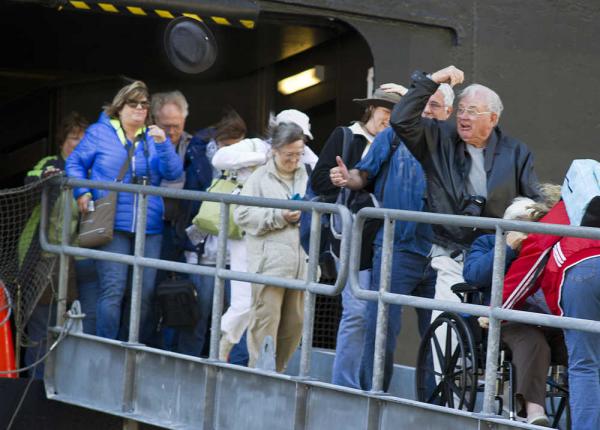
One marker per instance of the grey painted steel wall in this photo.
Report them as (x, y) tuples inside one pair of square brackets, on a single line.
[(539, 55)]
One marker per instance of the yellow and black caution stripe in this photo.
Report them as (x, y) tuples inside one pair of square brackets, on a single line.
[(162, 13)]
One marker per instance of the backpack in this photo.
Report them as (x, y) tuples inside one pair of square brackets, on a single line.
[(355, 201), (581, 193)]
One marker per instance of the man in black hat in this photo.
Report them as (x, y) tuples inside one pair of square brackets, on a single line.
[(375, 119), (359, 136), (399, 183)]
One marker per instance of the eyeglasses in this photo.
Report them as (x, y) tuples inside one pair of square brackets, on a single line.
[(470, 111), (292, 154), (435, 106), (133, 104), (169, 127)]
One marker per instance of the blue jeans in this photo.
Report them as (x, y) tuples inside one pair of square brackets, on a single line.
[(42, 317), (113, 284), (581, 299), (87, 287), (239, 353), (411, 274), (351, 335), (194, 341)]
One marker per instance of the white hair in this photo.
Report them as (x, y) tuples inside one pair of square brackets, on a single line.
[(521, 208), (492, 99), (174, 97), (448, 93)]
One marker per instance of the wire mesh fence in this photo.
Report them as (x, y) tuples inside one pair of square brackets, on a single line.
[(25, 269), (327, 320)]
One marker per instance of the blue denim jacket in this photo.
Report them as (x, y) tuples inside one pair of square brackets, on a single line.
[(405, 188)]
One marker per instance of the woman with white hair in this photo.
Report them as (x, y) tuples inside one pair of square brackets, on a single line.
[(533, 347), (276, 312), (241, 159)]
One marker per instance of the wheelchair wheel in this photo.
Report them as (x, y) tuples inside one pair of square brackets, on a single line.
[(446, 373)]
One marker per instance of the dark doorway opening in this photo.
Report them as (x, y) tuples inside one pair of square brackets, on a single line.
[(57, 62)]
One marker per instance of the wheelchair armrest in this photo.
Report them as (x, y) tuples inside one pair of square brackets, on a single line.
[(463, 287)]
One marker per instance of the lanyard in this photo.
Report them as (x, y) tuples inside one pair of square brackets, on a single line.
[(140, 136)]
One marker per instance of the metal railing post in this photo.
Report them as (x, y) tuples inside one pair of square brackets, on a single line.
[(65, 260), (309, 296), (382, 306), (493, 343), (138, 270), (219, 291), (128, 404)]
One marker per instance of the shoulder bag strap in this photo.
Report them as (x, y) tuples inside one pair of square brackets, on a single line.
[(347, 143), (125, 165), (309, 170)]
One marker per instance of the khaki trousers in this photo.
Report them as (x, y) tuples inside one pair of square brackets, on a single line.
[(279, 313)]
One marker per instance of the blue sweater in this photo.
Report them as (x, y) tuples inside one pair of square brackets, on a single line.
[(404, 187), (479, 266), (100, 156)]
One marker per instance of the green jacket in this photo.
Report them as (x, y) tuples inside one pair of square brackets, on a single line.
[(57, 204)]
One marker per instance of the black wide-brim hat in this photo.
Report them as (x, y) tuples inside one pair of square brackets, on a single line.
[(190, 45), (380, 98)]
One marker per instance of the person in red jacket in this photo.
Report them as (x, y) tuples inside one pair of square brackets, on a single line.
[(569, 276)]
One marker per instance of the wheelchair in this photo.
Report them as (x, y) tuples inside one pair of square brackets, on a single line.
[(451, 364)]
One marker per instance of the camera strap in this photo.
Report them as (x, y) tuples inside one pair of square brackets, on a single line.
[(146, 155)]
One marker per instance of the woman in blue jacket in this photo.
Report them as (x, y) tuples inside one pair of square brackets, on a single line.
[(100, 155)]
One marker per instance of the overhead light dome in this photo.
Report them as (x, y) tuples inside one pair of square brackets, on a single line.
[(190, 45)]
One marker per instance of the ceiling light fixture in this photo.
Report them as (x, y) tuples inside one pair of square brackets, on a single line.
[(301, 81)]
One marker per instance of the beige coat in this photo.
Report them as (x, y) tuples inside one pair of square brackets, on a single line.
[(273, 244)]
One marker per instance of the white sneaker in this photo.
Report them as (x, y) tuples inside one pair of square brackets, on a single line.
[(539, 420)]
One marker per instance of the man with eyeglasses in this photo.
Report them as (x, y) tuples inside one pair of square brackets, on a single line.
[(399, 183), (472, 167), (439, 105), (170, 110)]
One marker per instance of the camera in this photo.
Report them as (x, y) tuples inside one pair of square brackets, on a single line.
[(474, 206), (139, 180)]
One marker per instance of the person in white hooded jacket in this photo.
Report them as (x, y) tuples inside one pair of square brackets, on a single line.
[(240, 160)]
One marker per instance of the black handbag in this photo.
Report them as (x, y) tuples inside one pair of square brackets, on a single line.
[(177, 302)]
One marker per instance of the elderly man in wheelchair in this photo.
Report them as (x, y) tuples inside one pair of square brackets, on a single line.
[(458, 342)]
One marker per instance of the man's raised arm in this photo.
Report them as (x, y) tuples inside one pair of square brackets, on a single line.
[(407, 120)]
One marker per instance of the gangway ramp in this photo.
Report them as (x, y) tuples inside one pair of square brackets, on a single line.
[(176, 391), (181, 392)]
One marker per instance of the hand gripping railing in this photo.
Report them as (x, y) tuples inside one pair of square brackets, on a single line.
[(138, 261), (494, 312)]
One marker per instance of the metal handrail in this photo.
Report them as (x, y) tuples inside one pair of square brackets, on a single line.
[(349, 265), (494, 312), (220, 273), (319, 207)]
